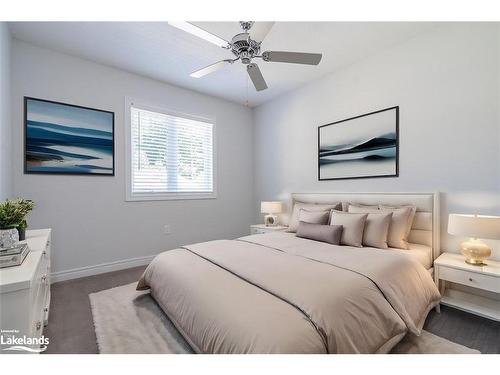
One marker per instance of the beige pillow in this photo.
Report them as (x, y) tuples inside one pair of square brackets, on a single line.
[(358, 209), (313, 217), (377, 225), (399, 230), (363, 207), (294, 218), (352, 224), (377, 229)]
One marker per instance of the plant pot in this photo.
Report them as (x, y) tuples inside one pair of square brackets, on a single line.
[(22, 233), (8, 237)]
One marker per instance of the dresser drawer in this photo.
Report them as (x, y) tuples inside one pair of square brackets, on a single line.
[(39, 293), (471, 279)]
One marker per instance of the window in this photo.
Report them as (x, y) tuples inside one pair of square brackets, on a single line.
[(171, 156)]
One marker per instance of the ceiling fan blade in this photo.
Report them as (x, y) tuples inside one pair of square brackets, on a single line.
[(200, 33), (292, 57), (256, 77), (210, 69), (259, 30)]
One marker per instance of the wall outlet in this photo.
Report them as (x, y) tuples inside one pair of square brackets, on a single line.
[(166, 229)]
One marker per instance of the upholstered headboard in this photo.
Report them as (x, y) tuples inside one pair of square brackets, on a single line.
[(425, 228)]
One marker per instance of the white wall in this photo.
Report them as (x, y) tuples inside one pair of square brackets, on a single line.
[(5, 125), (446, 83), (92, 223)]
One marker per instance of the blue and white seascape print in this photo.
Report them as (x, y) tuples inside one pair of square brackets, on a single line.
[(61, 138), (364, 146)]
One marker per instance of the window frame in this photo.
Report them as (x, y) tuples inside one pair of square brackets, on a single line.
[(129, 195)]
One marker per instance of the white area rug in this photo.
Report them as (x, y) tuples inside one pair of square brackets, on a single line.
[(131, 322)]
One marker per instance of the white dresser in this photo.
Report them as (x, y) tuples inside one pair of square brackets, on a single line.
[(25, 291)]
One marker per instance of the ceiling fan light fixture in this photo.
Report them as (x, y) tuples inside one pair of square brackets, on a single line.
[(199, 32), (245, 49)]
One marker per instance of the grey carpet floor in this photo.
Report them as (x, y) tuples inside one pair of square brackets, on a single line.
[(71, 328)]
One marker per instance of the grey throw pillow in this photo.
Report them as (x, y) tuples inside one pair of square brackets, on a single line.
[(324, 233), (294, 218), (314, 217)]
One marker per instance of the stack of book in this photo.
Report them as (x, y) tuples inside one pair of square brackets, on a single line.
[(13, 256)]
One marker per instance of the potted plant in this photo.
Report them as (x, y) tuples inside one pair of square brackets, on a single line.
[(25, 206), (13, 220)]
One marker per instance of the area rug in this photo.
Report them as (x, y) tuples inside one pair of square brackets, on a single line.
[(131, 322)]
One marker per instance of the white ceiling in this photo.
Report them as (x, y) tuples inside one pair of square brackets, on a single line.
[(162, 52)]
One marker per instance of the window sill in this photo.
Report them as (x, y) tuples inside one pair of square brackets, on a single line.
[(169, 197)]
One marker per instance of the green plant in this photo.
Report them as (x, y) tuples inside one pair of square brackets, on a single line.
[(25, 206), (13, 213)]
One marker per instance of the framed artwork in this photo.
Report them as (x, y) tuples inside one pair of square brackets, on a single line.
[(67, 139), (364, 146)]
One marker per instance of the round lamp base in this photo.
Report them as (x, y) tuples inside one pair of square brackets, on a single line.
[(475, 252), (475, 262)]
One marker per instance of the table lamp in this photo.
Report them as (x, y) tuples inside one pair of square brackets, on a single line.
[(475, 227), (270, 209)]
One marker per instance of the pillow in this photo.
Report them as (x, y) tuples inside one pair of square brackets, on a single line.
[(399, 230), (377, 229), (314, 217), (318, 232), (357, 209), (294, 218), (352, 226), (412, 208), (361, 208)]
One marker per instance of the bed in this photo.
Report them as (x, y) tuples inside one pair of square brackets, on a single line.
[(278, 293)]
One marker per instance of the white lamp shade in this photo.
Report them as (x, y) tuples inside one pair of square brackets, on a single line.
[(270, 207), (476, 226)]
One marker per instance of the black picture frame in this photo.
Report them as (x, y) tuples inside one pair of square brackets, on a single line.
[(25, 133), (396, 174)]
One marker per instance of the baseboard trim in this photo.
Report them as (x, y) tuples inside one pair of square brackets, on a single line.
[(76, 273)]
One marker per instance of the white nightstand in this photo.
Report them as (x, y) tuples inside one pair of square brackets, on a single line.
[(452, 267), (262, 228)]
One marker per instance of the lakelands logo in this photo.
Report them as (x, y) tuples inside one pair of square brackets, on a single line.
[(10, 341)]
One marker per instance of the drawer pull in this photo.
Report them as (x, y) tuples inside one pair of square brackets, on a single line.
[(44, 252), (38, 325), (45, 309), (44, 278), (470, 279)]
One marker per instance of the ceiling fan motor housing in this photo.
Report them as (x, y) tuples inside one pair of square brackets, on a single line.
[(244, 47)]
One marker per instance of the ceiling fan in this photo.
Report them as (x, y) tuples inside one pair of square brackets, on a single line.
[(246, 49)]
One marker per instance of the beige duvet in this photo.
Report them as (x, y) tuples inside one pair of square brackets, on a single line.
[(277, 293)]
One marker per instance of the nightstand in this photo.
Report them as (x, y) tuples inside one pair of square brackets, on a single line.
[(262, 228), (450, 267)]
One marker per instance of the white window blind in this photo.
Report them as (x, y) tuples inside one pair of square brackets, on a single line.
[(170, 155)]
